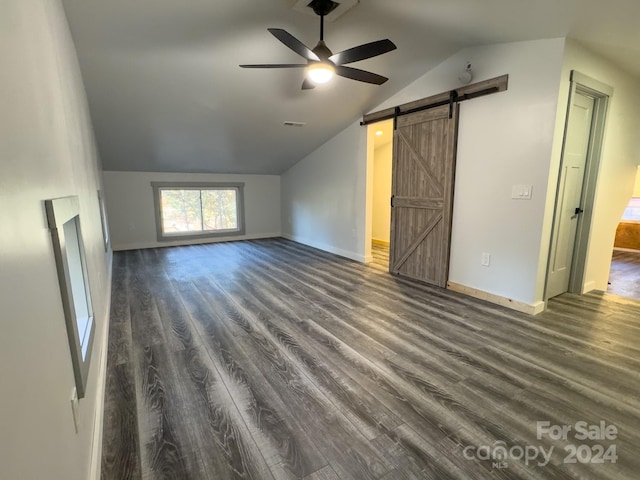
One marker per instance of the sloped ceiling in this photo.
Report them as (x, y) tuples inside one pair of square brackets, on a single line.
[(166, 93)]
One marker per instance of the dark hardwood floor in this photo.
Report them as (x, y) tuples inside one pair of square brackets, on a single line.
[(624, 277), (268, 359)]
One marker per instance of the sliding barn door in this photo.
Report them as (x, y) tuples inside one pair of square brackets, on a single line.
[(422, 201)]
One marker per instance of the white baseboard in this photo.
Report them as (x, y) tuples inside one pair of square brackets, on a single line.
[(200, 241), (531, 309), (96, 444), (328, 248), (588, 286)]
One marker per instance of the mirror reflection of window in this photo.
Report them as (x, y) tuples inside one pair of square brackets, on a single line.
[(81, 302), (63, 216)]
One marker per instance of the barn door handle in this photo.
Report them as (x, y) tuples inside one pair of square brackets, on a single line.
[(392, 197), (578, 211)]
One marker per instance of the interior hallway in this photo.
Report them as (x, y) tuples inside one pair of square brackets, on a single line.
[(380, 255), (624, 278)]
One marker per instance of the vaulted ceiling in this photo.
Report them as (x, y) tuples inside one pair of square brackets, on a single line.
[(166, 92)]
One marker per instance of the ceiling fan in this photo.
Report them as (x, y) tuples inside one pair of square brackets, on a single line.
[(322, 63)]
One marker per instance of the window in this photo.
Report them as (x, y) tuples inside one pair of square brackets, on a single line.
[(632, 212), (198, 210), (63, 217)]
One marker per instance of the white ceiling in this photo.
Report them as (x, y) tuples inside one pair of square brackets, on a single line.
[(166, 92)]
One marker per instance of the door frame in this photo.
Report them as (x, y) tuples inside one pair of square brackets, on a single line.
[(601, 94)]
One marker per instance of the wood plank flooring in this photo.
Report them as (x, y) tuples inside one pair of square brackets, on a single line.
[(271, 360), (380, 254), (624, 277)]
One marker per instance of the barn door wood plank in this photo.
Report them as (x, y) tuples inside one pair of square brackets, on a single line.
[(422, 187)]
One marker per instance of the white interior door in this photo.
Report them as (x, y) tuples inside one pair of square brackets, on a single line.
[(568, 205)]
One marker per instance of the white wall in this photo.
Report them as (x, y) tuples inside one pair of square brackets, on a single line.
[(505, 139), (382, 160), (323, 196), (619, 160), (129, 200), (47, 151)]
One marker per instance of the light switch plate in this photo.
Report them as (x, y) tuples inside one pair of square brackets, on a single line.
[(521, 192)]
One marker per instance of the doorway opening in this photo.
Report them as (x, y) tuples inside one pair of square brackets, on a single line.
[(381, 163), (582, 147), (624, 275), (411, 180)]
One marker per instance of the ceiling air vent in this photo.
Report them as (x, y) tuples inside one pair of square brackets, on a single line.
[(294, 124), (340, 9)]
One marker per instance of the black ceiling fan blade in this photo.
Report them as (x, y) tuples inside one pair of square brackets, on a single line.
[(308, 84), (294, 44), (275, 65), (362, 52), (360, 75)]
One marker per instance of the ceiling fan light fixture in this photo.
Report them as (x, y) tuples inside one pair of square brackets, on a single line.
[(320, 72), (322, 64)]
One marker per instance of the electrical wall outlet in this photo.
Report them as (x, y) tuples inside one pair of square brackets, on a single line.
[(486, 259), (75, 409)]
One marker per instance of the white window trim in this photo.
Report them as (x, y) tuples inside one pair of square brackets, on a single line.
[(169, 237)]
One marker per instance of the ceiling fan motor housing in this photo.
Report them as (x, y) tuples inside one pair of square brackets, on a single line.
[(322, 51)]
